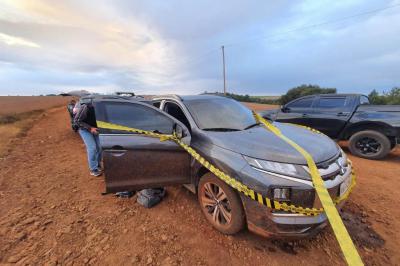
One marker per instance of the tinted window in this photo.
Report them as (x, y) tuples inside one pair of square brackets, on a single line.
[(220, 113), (157, 104), (303, 103), (364, 100), (175, 111), (329, 103), (137, 116)]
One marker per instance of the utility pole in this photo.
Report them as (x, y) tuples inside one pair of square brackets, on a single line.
[(223, 68)]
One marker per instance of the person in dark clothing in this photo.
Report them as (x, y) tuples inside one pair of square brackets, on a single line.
[(85, 121)]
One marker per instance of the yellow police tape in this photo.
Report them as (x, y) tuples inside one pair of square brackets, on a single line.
[(344, 239), (342, 236)]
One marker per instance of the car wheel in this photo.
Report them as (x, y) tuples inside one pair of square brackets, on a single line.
[(392, 143), (369, 144), (220, 204)]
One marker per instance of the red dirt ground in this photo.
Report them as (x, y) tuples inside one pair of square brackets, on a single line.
[(52, 212)]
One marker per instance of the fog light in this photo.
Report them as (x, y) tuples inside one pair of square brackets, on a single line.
[(281, 194)]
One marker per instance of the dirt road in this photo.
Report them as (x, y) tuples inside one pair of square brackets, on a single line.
[(52, 211)]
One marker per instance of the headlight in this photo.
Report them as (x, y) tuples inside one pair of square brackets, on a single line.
[(278, 168)]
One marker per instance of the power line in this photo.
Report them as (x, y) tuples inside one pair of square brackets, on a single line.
[(315, 25), (196, 59)]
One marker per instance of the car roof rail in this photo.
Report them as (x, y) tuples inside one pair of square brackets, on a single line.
[(173, 96), (125, 93)]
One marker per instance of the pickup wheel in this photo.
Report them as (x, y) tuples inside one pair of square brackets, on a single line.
[(369, 144), (220, 204)]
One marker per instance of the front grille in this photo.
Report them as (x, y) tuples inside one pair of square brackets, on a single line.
[(334, 191)]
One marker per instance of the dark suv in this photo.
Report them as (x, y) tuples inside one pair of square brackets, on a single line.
[(224, 132)]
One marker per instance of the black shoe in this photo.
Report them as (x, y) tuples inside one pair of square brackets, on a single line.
[(96, 172)]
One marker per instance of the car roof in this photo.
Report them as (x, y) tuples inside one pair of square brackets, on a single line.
[(332, 94), (187, 97), (111, 96)]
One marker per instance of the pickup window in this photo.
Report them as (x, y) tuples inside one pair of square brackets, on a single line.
[(364, 99), (302, 103), (331, 103), (137, 116)]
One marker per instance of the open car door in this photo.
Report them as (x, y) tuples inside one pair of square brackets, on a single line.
[(133, 161)]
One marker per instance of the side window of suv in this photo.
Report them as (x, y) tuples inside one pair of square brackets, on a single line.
[(302, 103), (137, 116), (174, 110), (156, 104), (331, 102)]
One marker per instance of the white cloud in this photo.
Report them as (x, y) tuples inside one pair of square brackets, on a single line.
[(159, 47), (12, 40)]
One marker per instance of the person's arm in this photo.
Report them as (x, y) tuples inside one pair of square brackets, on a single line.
[(81, 116), (75, 110)]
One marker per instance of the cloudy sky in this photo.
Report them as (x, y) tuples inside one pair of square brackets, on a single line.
[(158, 46)]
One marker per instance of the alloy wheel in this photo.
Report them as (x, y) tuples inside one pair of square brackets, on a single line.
[(215, 201), (368, 145)]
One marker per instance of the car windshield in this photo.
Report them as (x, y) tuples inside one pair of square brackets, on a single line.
[(220, 114)]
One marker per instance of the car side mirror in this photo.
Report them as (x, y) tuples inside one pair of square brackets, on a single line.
[(178, 131), (285, 109)]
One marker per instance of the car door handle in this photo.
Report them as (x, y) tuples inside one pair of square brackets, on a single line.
[(117, 150), (304, 115)]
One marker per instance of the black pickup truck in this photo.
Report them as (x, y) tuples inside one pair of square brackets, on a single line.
[(372, 130)]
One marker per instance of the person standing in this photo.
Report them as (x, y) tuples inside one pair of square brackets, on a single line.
[(85, 121)]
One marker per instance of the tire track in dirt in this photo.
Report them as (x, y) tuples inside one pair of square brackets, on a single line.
[(52, 212)]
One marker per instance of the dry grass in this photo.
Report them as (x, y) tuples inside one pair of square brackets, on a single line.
[(12, 118), (15, 126), (10, 105), (18, 114)]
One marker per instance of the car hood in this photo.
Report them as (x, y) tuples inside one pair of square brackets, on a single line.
[(260, 143)]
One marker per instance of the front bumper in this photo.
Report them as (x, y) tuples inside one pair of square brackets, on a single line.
[(271, 223)]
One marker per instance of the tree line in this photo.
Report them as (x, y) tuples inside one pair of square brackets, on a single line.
[(387, 97)]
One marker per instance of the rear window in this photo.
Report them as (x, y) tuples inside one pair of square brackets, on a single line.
[(330, 103), (137, 116)]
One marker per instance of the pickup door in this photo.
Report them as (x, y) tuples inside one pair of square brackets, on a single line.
[(331, 114), (328, 114), (297, 111), (133, 161)]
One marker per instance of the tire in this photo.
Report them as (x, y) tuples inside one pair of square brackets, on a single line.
[(392, 143), (226, 214), (369, 144)]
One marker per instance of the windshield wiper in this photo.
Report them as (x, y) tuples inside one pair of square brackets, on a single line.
[(253, 125), (221, 129)]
